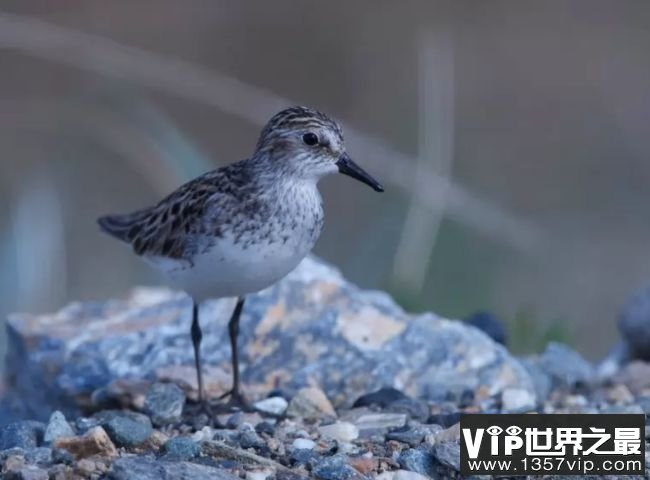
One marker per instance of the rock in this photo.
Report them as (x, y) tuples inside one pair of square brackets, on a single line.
[(413, 436), (57, 427), (13, 463), (566, 367), (303, 444), (312, 328), (370, 421), (406, 475), (94, 442), (490, 325), (265, 428), (260, 474), (180, 449), (126, 431), (417, 460), (60, 455), (310, 402), (393, 400), (517, 400), (272, 405), (147, 468), (381, 398), (541, 380), (636, 377), (448, 453), (304, 457), (164, 403), (248, 437), (634, 324), (41, 456), (31, 472), (445, 420), (335, 468), (451, 434), (340, 431), (25, 434)]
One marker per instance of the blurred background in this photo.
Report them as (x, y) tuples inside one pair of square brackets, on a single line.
[(513, 138)]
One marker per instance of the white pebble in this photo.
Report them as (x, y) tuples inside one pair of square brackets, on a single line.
[(303, 444)]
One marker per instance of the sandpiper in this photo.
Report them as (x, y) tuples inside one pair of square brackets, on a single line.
[(239, 229)]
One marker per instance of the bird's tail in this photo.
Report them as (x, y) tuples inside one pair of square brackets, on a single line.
[(123, 227)]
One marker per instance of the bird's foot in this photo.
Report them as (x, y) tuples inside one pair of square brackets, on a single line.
[(236, 401)]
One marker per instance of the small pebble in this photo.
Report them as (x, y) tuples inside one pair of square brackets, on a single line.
[(340, 431), (517, 400), (57, 427), (164, 403), (303, 444), (272, 405), (416, 460), (126, 432), (180, 449), (310, 402), (31, 472), (94, 442), (335, 468)]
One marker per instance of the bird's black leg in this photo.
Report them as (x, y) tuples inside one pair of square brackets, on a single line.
[(197, 336), (236, 398)]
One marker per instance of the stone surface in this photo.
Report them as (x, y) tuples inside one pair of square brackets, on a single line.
[(272, 405), (566, 367), (517, 400), (24, 434), (340, 431), (634, 324), (335, 468), (94, 442), (310, 402), (57, 427), (417, 460), (147, 468), (125, 431), (312, 328), (164, 403), (180, 448)]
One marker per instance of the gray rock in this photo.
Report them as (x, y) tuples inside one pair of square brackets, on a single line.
[(272, 405), (448, 453), (634, 324), (335, 468), (393, 400), (517, 400), (541, 380), (57, 427), (147, 468), (32, 472), (62, 456), (412, 436), (248, 437), (41, 456), (180, 449), (25, 434), (313, 325), (164, 403), (417, 460), (127, 430), (566, 367)]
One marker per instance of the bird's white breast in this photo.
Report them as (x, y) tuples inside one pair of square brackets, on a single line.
[(253, 258)]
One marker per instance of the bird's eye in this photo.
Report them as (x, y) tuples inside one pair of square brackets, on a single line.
[(310, 139)]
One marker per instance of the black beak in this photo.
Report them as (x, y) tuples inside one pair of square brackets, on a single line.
[(351, 169)]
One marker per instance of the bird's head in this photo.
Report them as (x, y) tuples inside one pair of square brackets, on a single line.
[(307, 144)]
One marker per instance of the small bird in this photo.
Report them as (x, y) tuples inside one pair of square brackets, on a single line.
[(239, 229)]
